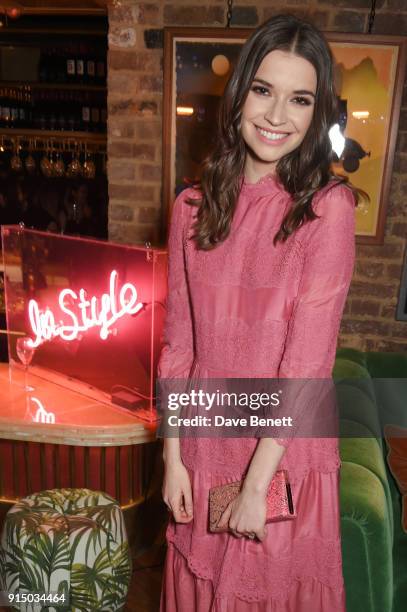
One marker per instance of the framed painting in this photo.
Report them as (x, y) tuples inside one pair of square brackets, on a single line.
[(369, 71)]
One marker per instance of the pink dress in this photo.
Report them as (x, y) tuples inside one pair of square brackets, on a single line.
[(251, 309)]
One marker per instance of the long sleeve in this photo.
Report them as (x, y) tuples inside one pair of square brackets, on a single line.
[(310, 347), (311, 341), (177, 353)]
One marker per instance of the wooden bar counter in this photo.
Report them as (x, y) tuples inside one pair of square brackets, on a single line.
[(54, 437)]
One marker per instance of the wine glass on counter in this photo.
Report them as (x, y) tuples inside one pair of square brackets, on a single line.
[(25, 352)]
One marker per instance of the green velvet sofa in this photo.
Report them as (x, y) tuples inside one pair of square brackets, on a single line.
[(374, 545)]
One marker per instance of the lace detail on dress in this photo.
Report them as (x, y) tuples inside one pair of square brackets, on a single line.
[(313, 557), (256, 263), (267, 178), (225, 456), (231, 456), (267, 578), (234, 345), (266, 184)]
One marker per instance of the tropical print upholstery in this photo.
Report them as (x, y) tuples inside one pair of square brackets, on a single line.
[(67, 541)]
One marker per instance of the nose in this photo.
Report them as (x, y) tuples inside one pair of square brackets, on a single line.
[(276, 112)]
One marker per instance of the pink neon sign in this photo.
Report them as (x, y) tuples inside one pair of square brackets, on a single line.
[(85, 313)]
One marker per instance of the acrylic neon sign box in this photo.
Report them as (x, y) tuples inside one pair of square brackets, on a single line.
[(87, 314)]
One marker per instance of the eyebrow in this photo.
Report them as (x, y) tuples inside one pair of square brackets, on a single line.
[(301, 92)]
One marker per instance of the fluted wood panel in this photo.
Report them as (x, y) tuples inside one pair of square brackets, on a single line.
[(28, 467)]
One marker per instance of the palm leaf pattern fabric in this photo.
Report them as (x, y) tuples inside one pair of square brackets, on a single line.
[(67, 541)]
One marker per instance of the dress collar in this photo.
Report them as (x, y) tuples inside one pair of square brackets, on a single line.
[(264, 186)]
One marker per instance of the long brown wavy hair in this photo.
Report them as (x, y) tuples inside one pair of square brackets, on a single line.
[(303, 171)]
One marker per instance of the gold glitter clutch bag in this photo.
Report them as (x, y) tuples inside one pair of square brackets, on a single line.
[(280, 505)]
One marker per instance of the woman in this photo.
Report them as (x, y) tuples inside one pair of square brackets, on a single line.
[(260, 261)]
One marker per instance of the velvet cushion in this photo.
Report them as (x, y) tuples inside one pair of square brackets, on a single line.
[(366, 540)]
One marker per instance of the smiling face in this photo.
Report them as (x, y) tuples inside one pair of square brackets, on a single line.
[(277, 112)]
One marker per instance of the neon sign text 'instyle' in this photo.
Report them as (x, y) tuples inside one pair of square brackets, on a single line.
[(100, 312)]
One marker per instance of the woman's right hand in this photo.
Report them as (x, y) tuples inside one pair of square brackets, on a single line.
[(177, 491)]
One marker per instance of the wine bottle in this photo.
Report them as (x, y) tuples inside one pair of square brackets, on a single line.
[(29, 106), (80, 65), (42, 67), (70, 66), (90, 69), (85, 113), (60, 66), (14, 109), (61, 119), (52, 118), (100, 71), (52, 67), (103, 119), (42, 110), (7, 109), (72, 112), (35, 120), (10, 107), (95, 116), (48, 109), (78, 110), (2, 105), (21, 109)]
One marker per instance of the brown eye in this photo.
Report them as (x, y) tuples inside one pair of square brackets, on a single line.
[(260, 90), (302, 101)]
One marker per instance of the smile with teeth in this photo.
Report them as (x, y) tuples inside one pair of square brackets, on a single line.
[(272, 135)]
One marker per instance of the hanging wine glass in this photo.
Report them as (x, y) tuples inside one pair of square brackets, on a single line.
[(30, 164), (89, 168), (84, 149), (16, 163), (74, 167), (81, 147), (59, 165), (52, 157), (45, 163), (69, 168)]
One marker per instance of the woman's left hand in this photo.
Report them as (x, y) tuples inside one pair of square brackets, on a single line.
[(246, 515)]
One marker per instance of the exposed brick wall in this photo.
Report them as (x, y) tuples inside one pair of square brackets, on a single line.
[(134, 140)]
